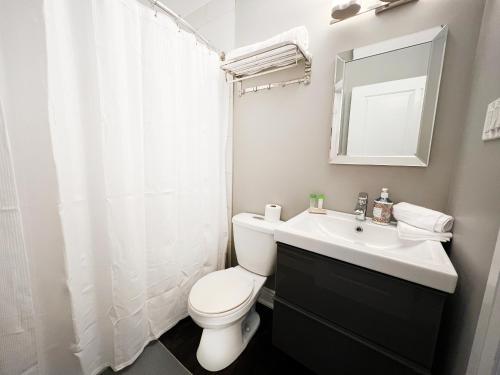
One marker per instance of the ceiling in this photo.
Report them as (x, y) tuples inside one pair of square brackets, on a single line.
[(185, 7)]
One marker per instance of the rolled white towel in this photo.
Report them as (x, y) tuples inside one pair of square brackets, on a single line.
[(408, 232), (423, 218)]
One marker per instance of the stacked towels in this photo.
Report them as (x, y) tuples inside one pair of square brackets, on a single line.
[(297, 35), (418, 223)]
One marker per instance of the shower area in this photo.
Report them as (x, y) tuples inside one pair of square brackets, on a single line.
[(114, 191)]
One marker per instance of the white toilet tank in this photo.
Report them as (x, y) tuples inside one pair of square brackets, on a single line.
[(254, 243)]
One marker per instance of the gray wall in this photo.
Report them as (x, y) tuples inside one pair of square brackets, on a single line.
[(475, 200), (282, 136)]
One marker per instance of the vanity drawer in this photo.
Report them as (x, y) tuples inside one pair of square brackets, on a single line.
[(327, 349), (401, 316)]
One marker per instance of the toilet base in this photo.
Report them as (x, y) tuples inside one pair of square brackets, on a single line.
[(220, 347)]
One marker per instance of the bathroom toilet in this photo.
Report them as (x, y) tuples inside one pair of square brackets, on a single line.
[(223, 302)]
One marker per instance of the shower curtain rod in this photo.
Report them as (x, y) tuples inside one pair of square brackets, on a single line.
[(186, 25)]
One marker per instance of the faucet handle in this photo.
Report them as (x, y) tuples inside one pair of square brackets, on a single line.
[(360, 210)]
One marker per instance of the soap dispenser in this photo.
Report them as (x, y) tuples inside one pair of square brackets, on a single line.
[(382, 208)]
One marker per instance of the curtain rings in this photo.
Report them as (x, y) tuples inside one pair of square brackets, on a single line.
[(154, 7)]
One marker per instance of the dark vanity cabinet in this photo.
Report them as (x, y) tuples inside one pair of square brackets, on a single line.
[(338, 318)]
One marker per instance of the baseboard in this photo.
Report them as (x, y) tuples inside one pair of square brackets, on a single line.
[(266, 297)]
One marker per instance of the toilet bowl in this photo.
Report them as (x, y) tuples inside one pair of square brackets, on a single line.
[(223, 302)]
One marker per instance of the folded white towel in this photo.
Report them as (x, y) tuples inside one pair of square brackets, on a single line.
[(421, 217), (297, 35), (408, 232)]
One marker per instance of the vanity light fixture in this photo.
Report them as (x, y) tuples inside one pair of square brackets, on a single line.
[(344, 9)]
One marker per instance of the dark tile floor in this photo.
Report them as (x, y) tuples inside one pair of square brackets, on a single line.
[(260, 356)]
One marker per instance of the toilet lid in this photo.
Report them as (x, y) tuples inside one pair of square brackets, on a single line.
[(220, 291)]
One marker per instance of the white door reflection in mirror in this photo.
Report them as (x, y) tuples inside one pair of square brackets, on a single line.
[(385, 118)]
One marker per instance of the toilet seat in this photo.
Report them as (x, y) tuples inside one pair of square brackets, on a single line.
[(220, 292), (227, 333)]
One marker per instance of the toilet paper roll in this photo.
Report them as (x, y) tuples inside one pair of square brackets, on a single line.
[(272, 213)]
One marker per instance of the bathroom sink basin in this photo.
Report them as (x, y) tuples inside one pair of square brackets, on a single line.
[(376, 247)]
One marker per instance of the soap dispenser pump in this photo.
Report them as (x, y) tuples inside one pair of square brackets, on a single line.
[(382, 208)]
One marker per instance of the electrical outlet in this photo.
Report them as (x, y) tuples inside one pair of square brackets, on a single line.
[(492, 122)]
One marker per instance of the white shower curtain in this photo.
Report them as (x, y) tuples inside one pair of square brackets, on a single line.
[(138, 122), (17, 328)]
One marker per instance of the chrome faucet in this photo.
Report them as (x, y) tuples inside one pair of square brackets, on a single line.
[(360, 210)]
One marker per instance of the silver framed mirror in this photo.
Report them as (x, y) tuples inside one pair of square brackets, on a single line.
[(385, 100)]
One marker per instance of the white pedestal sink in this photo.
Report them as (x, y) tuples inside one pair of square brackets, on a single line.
[(376, 247)]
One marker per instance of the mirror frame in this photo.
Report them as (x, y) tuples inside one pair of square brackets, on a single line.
[(437, 36)]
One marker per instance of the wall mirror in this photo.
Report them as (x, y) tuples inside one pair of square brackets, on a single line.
[(385, 99)]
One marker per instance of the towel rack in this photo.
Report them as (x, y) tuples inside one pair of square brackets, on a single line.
[(280, 56)]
